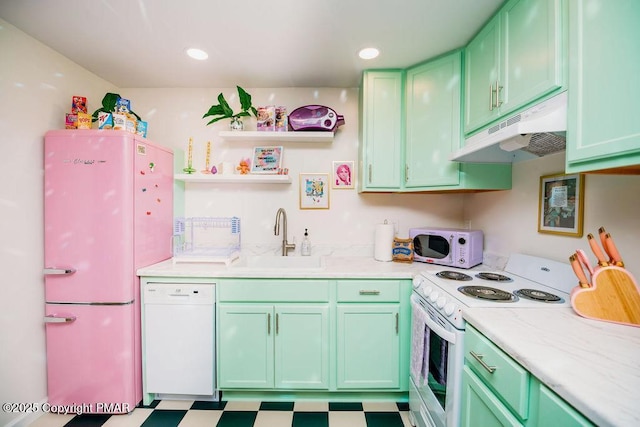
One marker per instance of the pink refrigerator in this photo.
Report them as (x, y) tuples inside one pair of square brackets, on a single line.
[(108, 210)]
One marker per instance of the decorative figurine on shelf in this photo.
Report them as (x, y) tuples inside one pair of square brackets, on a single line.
[(190, 169), (244, 167)]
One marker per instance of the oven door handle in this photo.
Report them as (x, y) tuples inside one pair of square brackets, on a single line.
[(439, 330)]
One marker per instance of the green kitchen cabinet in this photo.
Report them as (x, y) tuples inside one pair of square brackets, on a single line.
[(413, 154), (245, 359), (273, 334), (371, 348), (433, 122), (519, 56), (604, 64), (497, 391), (433, 132), (480, 406), (552, 410), (380, 150)]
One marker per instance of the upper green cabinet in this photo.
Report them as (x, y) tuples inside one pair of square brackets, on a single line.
[(604, 86), (406, 148), (433, 122), (381, 127), (518, 57)]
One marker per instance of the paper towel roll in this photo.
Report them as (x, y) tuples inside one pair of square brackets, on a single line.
[(383, 242)]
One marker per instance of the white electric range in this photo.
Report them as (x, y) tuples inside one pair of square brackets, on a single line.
[(438, 298)]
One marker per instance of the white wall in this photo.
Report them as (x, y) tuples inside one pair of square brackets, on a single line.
[(509, 218), (175, 115), (36, 86)]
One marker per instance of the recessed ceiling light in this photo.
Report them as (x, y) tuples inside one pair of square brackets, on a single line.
[(368, 53), (198, 54)]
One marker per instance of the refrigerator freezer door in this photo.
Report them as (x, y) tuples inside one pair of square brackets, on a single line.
[(90, 357)]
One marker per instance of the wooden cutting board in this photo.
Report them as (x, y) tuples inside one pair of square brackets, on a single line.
[(613, 297)]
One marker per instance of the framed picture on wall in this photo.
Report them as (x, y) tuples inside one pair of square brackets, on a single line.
[(561, 204), (342, 177), (267, 160), (314, 191)]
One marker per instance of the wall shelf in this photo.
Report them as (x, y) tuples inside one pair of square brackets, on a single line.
[(257, 136), (235, 178)]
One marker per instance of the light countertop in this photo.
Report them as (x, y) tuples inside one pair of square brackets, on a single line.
[(334, 267), (593, 365)]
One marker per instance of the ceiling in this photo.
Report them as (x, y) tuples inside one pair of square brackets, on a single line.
[(270, 44)]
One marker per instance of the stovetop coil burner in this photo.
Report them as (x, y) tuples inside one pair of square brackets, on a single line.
[(495, 277), (487, 293), (453, 275), (538, 295)]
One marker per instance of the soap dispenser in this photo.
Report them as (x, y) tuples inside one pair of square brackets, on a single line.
[(305, 249)]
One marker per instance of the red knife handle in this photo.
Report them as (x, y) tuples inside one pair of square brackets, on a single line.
[(602, 261), (616, 259), (577, 268)]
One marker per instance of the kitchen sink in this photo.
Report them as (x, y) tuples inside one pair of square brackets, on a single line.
[(272, 262)]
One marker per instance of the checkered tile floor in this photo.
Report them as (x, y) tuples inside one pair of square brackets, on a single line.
[(171, 413)]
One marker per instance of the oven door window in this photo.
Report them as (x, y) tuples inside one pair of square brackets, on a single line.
[(431, 246), (438, 351)]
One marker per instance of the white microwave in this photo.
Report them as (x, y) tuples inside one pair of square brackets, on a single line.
[(453, 247)]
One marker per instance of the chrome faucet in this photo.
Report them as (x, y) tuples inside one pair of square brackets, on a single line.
[(286, 246)]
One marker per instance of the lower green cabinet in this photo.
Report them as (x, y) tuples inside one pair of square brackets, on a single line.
[(273, 334), (507, 394), (368, 346), (284, 346), (246, 344), (551, 410), (313, 335), (480, 406)]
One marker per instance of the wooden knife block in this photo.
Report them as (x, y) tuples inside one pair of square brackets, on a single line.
[(613, 297)]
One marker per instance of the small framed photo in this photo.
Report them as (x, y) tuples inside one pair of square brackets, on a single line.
[(342, 177), (561, 204), (267, 160), (314, 191)]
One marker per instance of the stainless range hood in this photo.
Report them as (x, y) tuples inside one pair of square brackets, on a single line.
[(535, 132)]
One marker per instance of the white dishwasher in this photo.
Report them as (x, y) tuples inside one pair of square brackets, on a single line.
[(179, 340)]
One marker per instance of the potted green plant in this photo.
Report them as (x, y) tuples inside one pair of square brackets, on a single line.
[(109, 103), (223, 111)]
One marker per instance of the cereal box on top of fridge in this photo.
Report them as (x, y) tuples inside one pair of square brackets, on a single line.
[(71, 121), (105, 120), (84, 120), (78, 104), (141, 128), (119, 121), (123, 105)]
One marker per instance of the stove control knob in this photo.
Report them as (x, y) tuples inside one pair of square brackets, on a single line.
[(449, 309), (440, 303), (426, 291), (417, 282), (434, 296)]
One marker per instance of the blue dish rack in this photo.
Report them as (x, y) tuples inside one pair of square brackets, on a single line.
[(206, 239)]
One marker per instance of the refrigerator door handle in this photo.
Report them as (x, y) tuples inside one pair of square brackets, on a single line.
[(58, 271), (52, 318)]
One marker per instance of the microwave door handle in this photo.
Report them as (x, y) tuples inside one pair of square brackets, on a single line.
[(451, 249)]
